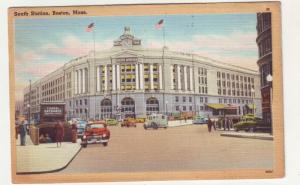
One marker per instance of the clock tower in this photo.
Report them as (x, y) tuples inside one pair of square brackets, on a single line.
[(127, 40)]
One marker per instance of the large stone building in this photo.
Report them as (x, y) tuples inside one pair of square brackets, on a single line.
[(130, 80), (264, 42)]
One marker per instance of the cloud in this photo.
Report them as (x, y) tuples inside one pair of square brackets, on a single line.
[(73, 46), (225, 48)]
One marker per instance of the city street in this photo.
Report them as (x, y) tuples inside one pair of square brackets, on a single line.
[(184, 148)]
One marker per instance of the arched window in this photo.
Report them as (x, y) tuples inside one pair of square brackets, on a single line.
[(106, 108), (152, 106), (128, 107)]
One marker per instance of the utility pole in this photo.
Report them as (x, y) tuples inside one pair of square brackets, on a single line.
[(29, 105)]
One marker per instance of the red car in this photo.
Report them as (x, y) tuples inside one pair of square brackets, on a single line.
[(96, 132)]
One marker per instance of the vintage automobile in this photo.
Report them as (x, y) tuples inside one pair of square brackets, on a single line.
[(156, 121), (200, 120), (111, 122), (81, 125), (250, 123), (128, 122), (95, 132)]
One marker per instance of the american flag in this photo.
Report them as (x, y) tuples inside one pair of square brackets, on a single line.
[(90, 27), (160, 24)]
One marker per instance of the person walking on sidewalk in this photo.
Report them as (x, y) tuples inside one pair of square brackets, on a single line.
[(74, 132), (22, 130), (209, 124), (59, 133)]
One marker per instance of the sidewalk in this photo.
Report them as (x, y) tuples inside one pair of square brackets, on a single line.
[(44, 157), (263, 136), (179, 123)]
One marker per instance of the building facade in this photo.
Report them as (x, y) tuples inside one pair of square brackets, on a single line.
[(264, 42), (130, 80)]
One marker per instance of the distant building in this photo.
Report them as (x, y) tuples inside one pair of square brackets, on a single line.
[(135, 81), (264, 42)]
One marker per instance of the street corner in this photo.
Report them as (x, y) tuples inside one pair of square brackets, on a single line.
[(262, 136), (45, 158)]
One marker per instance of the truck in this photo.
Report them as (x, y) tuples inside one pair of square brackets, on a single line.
[(156, 121), (50, 114)]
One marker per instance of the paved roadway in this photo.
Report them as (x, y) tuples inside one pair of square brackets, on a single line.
[(184, 148)]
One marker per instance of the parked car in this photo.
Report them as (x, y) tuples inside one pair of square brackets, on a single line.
[(81, 125), (156, 121), (128, 122), (250, 123), (111, 122), (96, 132), (200, 120)]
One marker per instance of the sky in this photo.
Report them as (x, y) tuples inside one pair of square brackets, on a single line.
[(45, 44)]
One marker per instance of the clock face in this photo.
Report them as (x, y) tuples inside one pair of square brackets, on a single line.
[(127, 43)]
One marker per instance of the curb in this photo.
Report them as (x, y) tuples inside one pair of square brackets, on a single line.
[(247, 136), (51, 171)]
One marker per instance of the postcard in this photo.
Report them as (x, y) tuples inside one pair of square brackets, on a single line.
[(146, 92)]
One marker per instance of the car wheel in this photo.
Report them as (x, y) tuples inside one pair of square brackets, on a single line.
[(105, 144), (84, 146)]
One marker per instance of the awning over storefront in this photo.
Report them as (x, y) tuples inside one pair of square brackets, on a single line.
[(251, 106), (221, 106), (216, 106)]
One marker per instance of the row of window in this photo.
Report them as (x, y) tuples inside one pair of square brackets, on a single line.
[(53, 83), (57, 97), (184, 99), (234, 85), (79, 102), (225, 100), (264, 47), (234, 77), (54, 90), (235, 93)]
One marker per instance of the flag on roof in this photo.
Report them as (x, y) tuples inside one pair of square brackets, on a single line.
[(160, 24), (90, 27)]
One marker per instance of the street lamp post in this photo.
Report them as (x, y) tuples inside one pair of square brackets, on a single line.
[(252, 94), (166, 108), (269, 79)]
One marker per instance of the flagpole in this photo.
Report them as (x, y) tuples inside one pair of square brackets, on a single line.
[(164, 37), (94, 64), (163, 58)]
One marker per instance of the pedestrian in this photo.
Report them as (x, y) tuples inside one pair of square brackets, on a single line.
[(228, 123), (214, 124), (22, 131), (74, 132), (59, 133), (209, 124)]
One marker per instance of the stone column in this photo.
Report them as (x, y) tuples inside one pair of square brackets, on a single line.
[(113, 77), (185, 78), (141, 76), (160, 76), (118, 78), (151, 76), (178, 78), (105, 77), (137, 76), (171, 77), (191, 79), (76, 82), (80, 82), (98, 78), (83, 80)]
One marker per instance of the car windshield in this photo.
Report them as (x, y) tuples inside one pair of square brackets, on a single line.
[(81, 123), (96, 126)]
